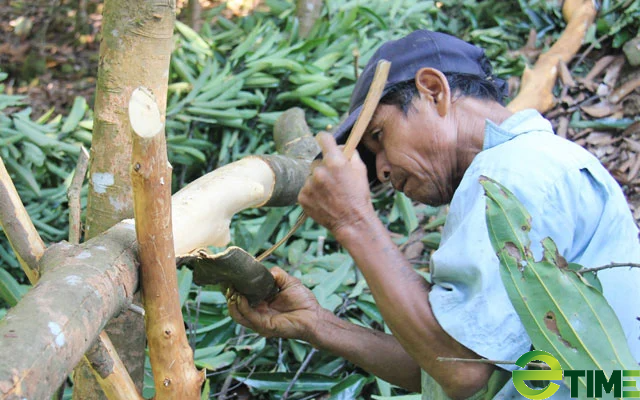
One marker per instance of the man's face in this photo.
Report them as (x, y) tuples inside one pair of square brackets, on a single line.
[(416, 152)]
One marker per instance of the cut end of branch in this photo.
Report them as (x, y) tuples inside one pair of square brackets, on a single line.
[(144, 113)]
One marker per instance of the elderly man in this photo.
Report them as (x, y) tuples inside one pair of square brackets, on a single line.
[(440, 125)]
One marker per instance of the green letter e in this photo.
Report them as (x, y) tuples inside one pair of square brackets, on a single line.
[(555, 374)]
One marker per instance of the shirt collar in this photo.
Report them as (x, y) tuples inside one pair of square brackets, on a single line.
[(519, 123)]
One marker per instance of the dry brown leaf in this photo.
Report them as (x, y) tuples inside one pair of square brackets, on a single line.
[(598, 67), (632, 145), (565, 75), (632, 130), (563, 126), (633, 170), (625, 89), (601, 110)]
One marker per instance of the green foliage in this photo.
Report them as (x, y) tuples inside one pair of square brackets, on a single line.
[(564, 312)]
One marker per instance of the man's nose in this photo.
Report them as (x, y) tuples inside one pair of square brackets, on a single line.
[(383, 169)]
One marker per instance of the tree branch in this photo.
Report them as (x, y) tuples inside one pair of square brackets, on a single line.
[(176, 376), (608, 266), (73, 194), (16, 224)]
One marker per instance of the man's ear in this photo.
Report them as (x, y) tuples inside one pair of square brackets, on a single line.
[(433, 85)]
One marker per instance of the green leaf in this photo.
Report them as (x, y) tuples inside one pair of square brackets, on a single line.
[(10, 290), (349, 388), (406, 397), (407, 212), (270, 224), (75, 116), (185, 278), (332, 281), (217, 362), (562, 313), (279, 381)]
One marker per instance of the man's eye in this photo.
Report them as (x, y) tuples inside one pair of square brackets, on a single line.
[(376, 135)]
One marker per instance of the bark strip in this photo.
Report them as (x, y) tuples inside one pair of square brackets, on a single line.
[(536, 90), (16, 224), (175, 374)]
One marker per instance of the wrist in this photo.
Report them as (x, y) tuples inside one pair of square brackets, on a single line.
[(317, 333), (356, 227)]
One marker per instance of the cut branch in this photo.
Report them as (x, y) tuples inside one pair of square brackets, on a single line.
[(175, 374), (16, 224), (536, 90)]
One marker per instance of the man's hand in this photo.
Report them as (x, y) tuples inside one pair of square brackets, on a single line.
[(293, 313), (336, 195)]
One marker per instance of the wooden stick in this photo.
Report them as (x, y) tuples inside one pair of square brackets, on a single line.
[(176, 377), (368, 108), (485, 361), (16, 224), (73, 194)]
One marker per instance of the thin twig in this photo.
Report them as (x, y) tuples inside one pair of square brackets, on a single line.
[(587, 51), (356, 60), (227, 381), (307, 360), (485, 361), (608, 266), (73, 194), (304, 366), (136, 309)]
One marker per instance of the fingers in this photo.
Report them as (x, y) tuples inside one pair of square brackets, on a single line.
[(331, 153), (236, 314)]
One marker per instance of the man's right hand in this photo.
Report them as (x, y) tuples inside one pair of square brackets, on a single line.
[(293, 313)]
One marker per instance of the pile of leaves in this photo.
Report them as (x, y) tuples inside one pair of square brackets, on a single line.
[(228, 84)]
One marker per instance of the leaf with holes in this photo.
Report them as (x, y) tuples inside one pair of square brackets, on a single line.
[(562, 312)]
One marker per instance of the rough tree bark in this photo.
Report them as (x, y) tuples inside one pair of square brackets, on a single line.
[(135, 51), (175, 375)]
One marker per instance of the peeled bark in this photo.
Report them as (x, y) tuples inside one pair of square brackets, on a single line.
[(536, 90), (82, 287), (175, 374), (135, 51)]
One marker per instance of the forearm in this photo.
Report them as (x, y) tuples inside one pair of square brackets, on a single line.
[(376, 352), (402, 298)]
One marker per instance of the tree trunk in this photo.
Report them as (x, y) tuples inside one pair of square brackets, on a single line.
[(135, 51)]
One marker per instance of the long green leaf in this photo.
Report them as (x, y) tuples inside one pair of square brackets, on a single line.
[(279, 381), (562, 313)]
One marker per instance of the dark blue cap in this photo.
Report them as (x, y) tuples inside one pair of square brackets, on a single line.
[(408, 55)]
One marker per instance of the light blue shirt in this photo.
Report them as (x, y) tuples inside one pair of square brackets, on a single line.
[(571, 198)]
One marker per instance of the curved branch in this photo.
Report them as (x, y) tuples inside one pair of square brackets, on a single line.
[(536, 90)]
